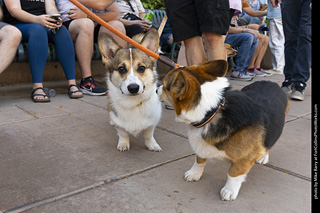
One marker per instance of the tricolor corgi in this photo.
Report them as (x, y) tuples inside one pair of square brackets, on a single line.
[(239, 126), (133, 104)]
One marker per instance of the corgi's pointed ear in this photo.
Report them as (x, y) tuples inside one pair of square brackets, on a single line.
[(206, 71), (108, 48), (216, 68), (179, 86), (151, 40)]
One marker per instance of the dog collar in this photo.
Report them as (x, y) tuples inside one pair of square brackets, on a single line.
[(209, 115)]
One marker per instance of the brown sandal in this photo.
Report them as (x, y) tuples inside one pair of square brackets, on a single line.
[(72, 93), (39, 100)]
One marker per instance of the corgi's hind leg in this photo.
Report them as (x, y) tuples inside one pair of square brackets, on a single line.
[(150, 141), (264, 159), (237, 175)]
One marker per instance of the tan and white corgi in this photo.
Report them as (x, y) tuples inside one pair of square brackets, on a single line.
[(133, 104), (239, 126)]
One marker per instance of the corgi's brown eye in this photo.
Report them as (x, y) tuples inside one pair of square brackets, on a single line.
[(141, 69), (122, 70)]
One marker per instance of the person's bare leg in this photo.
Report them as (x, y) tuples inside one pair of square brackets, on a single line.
[(259, 53), (214, 44), (120, 27), (264, 45), (8, 45), (81, 31), (182, 60), (194, 50)]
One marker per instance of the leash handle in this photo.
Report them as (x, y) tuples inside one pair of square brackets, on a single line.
[(163, 59)]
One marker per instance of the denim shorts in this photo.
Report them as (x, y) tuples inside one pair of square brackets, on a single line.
[(189, 18)]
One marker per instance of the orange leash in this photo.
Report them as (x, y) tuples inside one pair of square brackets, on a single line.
[(161, 58)]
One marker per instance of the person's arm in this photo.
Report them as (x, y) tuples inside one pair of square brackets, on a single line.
[(142, 15), (51, 7), (112, 13), (275, 3), (254, 13), (14, 8), (97, 4), (234, 30), (1, 13)]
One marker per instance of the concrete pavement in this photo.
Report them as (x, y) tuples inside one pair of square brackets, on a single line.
[(61, 157)]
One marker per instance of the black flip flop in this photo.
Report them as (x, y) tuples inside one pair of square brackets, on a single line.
[(44, 100)]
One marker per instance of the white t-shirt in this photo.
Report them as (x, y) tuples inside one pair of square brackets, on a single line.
[(63, 7), (125, 8)]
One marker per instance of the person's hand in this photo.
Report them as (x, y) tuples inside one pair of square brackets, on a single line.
[(146, 25), (255, 33), (275, 3), (254, 26), (48, 22), (75, 13)]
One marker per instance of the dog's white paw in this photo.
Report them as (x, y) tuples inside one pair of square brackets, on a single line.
[(228, 194), (231, 189), (195, 173), (123, 146), (263, 160), (154, 147), (192, 175)]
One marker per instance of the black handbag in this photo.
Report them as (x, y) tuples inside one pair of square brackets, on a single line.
[(131, 16)]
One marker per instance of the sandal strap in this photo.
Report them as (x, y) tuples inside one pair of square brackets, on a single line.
[(36, 89), (72, 92), (73, 85)]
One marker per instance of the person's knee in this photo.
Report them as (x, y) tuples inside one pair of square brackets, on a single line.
[(264, 39), (248, 37), (118, 25), (83, 25), (15, 34), (212, 39)]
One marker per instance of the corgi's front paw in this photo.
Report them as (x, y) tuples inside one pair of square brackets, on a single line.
[(153, 146), (123, 146), (192, 175)]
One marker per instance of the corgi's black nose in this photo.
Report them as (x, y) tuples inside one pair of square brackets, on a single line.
[(133, 88)]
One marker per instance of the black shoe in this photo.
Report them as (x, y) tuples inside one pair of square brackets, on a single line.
[(298, 92), (287, 87), (89, 86)]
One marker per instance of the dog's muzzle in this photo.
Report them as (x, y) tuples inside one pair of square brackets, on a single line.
[(133, 88)]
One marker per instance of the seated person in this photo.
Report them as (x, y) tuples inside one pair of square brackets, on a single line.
[(37, 28), (134, 23), (253, 13), (81, 30), (247, 40), (254, 66), (8, 44), (112, 16)]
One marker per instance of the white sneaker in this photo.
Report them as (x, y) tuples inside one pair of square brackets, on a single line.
[(241, 76)]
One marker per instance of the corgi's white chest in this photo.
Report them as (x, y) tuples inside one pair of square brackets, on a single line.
[(202, 148)]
